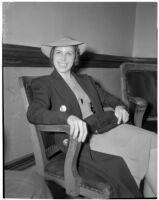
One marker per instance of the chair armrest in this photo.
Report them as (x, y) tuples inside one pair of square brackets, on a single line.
[(108, 109), (71, 176), (54, 128), (141, 105)]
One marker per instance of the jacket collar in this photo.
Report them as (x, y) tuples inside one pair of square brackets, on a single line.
[(79, 79), (55, 74)]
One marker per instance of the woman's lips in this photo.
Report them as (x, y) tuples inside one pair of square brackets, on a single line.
[(63, 64)]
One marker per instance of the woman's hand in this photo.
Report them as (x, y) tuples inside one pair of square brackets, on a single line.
[(78, 128), (121, 114)]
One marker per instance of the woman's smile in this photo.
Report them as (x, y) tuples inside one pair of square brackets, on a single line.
[(62, 64)]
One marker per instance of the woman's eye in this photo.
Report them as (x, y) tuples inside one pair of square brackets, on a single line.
[(70, 53), (67, 53), (58, 52)]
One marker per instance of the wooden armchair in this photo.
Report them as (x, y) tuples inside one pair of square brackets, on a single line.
[(139, 92), (52, 164)]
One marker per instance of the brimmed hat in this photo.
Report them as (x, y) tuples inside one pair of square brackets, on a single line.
[(62, 42)]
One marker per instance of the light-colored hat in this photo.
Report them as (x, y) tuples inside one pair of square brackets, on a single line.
[(62, 42)]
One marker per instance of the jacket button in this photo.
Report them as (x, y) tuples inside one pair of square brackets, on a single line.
[(63, 108), (65, 142)]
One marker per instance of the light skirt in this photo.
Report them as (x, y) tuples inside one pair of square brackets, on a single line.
[(132, 143)]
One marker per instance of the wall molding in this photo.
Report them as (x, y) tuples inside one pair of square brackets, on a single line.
[(27, 56), (20, 163)]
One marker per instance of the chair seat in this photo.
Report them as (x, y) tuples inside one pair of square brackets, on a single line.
[(55, 168)]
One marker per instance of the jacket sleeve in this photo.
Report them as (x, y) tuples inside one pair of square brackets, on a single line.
[(39, 109), (107, 99)]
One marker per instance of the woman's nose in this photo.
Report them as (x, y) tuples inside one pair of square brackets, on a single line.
[(63, 57)]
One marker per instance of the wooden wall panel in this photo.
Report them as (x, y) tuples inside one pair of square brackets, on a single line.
[(24, 56)]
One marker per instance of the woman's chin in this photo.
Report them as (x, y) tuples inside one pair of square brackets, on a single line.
[(63, 70)]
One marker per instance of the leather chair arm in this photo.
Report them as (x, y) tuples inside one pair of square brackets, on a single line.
[(71, 176), (138, 101), (140, 108)]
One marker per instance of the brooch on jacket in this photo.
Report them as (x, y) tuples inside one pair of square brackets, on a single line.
[(63, 108)]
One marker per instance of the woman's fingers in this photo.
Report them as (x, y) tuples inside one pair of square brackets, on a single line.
[(125, 116), (85, 132), (118, 114), (82, 131), (121, 114), (71, 128), (119, 118), (78, 128)]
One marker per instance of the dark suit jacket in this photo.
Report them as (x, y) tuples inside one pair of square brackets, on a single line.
[(50, 93)]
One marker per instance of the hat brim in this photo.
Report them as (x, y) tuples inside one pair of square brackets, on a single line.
[(46, 48)]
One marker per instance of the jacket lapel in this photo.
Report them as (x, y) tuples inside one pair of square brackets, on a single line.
[(65, 92)]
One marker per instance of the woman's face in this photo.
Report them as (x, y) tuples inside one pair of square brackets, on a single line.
[(63, 58)]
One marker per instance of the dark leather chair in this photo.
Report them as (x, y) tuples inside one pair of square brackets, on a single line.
[(139, 87), (52, 164)]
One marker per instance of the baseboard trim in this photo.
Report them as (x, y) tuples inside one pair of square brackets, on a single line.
[(21, 163)]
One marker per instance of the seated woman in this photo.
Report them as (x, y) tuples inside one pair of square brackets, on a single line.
[(123, 155)]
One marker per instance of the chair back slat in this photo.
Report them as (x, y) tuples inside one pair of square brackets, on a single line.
[(43, 143), (48, 139)]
